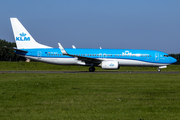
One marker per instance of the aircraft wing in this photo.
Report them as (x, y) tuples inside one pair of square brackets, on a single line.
[(86, 59), (82, 58)]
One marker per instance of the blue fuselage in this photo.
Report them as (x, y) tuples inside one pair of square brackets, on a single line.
[(123, 56)]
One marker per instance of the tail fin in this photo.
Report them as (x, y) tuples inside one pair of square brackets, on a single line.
[(22, 37)]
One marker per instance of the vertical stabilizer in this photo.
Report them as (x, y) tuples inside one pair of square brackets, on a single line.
[(22, 37)]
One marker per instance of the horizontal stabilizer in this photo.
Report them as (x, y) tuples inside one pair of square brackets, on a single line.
[(13, 48)]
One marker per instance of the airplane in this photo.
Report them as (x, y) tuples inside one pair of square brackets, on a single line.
[(110, 59)]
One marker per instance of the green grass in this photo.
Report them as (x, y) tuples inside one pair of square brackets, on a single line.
[(39, 66), (89, 96)]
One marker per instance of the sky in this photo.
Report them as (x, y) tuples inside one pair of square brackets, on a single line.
[(112, 24)]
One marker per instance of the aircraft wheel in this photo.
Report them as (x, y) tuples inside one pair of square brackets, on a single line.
[(91, 69), (159, 70)]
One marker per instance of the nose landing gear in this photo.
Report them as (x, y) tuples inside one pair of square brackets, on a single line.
[(160, 67), (159, 70)]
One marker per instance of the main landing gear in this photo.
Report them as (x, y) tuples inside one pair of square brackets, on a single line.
[(91, 69)]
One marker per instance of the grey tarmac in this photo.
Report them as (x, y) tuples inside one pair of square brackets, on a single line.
[(117, 72)]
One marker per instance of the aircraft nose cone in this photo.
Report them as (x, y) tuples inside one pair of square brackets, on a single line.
[(173, 60)]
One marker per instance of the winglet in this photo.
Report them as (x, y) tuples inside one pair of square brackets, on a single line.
[(73, 47), (62, 49)]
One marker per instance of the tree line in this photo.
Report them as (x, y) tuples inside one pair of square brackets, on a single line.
[(10, 55), (177, 57)]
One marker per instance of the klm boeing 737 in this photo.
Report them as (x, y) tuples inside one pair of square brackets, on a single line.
[(104, 58)]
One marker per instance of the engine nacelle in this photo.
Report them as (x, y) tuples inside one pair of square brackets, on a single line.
[(110, 65)]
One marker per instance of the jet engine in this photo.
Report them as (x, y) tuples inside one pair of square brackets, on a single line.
[(110, 65)]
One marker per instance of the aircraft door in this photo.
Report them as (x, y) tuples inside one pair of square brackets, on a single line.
[(39, 54), (156, 56)]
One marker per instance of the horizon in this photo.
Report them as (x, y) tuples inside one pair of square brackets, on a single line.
[(149, 25)]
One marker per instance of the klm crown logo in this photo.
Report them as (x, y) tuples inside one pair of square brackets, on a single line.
[(111, 65), (22, 37), (22, 34)]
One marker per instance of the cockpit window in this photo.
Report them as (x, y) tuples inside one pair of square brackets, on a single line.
[(166, 55)]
